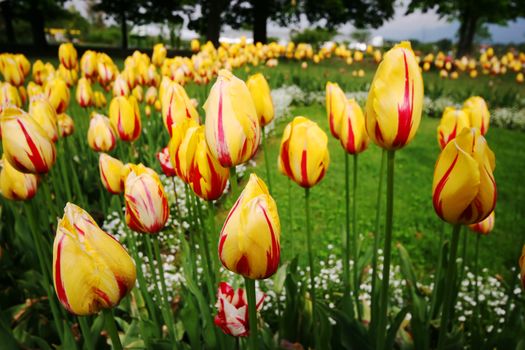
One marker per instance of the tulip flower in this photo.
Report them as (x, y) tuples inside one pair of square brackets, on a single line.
[(203, 172), (464, 189), (303, 155), (12, 72), (88, 64), (101, 136), (159, 54), (176, 106), (25, 143), (165, 163), (232, 306), (336, 104), (84, 93), (478, 113), (395, 99), (232, 126), (44, 114), (151, 95), (451, 124), (9, 96), (146, 203), (111, 170), (522, 267), (57, 93), (67, 54), (33, 89), (353, 136), (91, 269), (484, 227), (120, 87), (15, 185), (124, 115), (262, 99), (177, 136), (66, 125), (249, 240), (99, 99)]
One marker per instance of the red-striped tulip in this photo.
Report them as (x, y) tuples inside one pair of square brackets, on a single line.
[(395, 99), (303, 155), (111, 170), (249, 240), (84, 93), (58, 95), (159, 54), (165, 164), (12, 72), (9, 96), (486, 226), (177, 136), (151, 95), (99, 99), (15, 185), (353, 136), (66, 125), (464, 189), (451, 124), (101, 136), (478, 113), (88, 64), (232, 127), (336, 104), (120, 86), (91, 269), (44, 114), (176, 106), (124, 115), (67, 54), (262, 98)]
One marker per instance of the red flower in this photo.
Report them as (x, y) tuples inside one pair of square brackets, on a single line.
[(164, 160)]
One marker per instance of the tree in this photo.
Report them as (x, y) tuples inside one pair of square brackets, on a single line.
[(7, 16), (471, 15), (209, 21)]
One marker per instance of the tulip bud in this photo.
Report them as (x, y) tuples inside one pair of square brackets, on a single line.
[(66, 125), (484, 227), (177, 136), (303, 155), (88, 64), (84, 93), (451, 124), (146, 203), (125, 117), (478, 113), (91, 269), (159, 54), (262, 99), (176, 106), (232, 305), (151, 95), (464, 189), (120, 87), (353, 136), (57, 94), (26, 145), (101, 136), (395, 99), (15, 185), (67, 54), (34, 89), (9, 96), (203, 172), (99, 99), (249, 240), (165, 164), (110, 173), (232, 126), (12, 72), (44, 114), (336, 103)]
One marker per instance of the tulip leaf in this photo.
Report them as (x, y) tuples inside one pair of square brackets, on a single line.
[(279, 278), (190, 318), (394, 327)]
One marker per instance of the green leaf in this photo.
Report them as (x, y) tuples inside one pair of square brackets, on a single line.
[(394, 327)]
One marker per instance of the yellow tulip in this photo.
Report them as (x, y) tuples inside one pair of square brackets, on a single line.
[(12, 72), (67, 54), (232, 127), (249, 242), (25, 143), (395, 99), (23, 63), (34, 89), (9, 96), (91, 269), (39, 72), (84, 93), (336, 104), (177, 136), (159, 54), (262, 98), (464, 189), (120, 87), (66, 125), (99, 99), (138, 92), (151, 95), (195, 45), (452, 122), (176, 106), (303, 155), (111, 170), (44, 114), (101, 135), (15, 185), (353, 136), (478, 113), (124, 115), (88, 64), (486, 226), (58, 95)]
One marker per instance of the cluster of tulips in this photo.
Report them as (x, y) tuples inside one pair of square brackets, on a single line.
[(92, 272)]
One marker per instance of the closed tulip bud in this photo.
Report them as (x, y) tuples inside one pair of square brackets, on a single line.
[(177, 136), (195, 45), (70, 76), (111, 170), (451, 124), (25, 143), (101, 136), (486, 226), (464, 189), (138, 92), (147, 111), (395, 99), (146, 203), (232, 305), (336, 104), (120, 87), (66, 125), (303, 155), (203, 172), (165, 164), (99, 99), (39, 72), (67, 54), (88, 64), (176, 106), (262, 99), (478, 113), (353, 136), (84, 93), (44, 114), (57, 94), (34, 89), (522, 267), (9, 96), (249, 240), (23, 94), (106, 72), (151, 95), (159, 54), (23, 63), (125, 117), (15, 185), (232, 126), (91, 269), (12, 72)]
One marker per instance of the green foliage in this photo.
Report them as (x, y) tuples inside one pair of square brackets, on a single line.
[(315, 37)]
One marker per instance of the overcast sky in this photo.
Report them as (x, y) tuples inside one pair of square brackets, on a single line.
[(421, 26)]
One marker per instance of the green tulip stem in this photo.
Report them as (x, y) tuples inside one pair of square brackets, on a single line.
[(266, 162), (111, 328), (176, 199), (377, 236), (233, 182), (355, 239), (206, 248), (346, 262), (448, 297), (290, 218), (86, 332), (387, 250), (310, 261), (252, 312), (476, 271)]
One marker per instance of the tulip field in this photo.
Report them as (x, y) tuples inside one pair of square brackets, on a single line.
[(262, 197)]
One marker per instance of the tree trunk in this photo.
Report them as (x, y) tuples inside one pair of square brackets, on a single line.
[(124, 31), (467, 31), (213, 28), (36, 18), (7, 15), (260, 17)]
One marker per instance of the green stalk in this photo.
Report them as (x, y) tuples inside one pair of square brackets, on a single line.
[(463, 254), (387, 251), (447, 298), (206, 248), (233, 182), (252, 312), (213, 229), (86, 333), (177, 209), (266, 162), (439, 272), (476, 271), (111, 328), (290, 221), (346, 262), (310, 262), (355, 240)]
